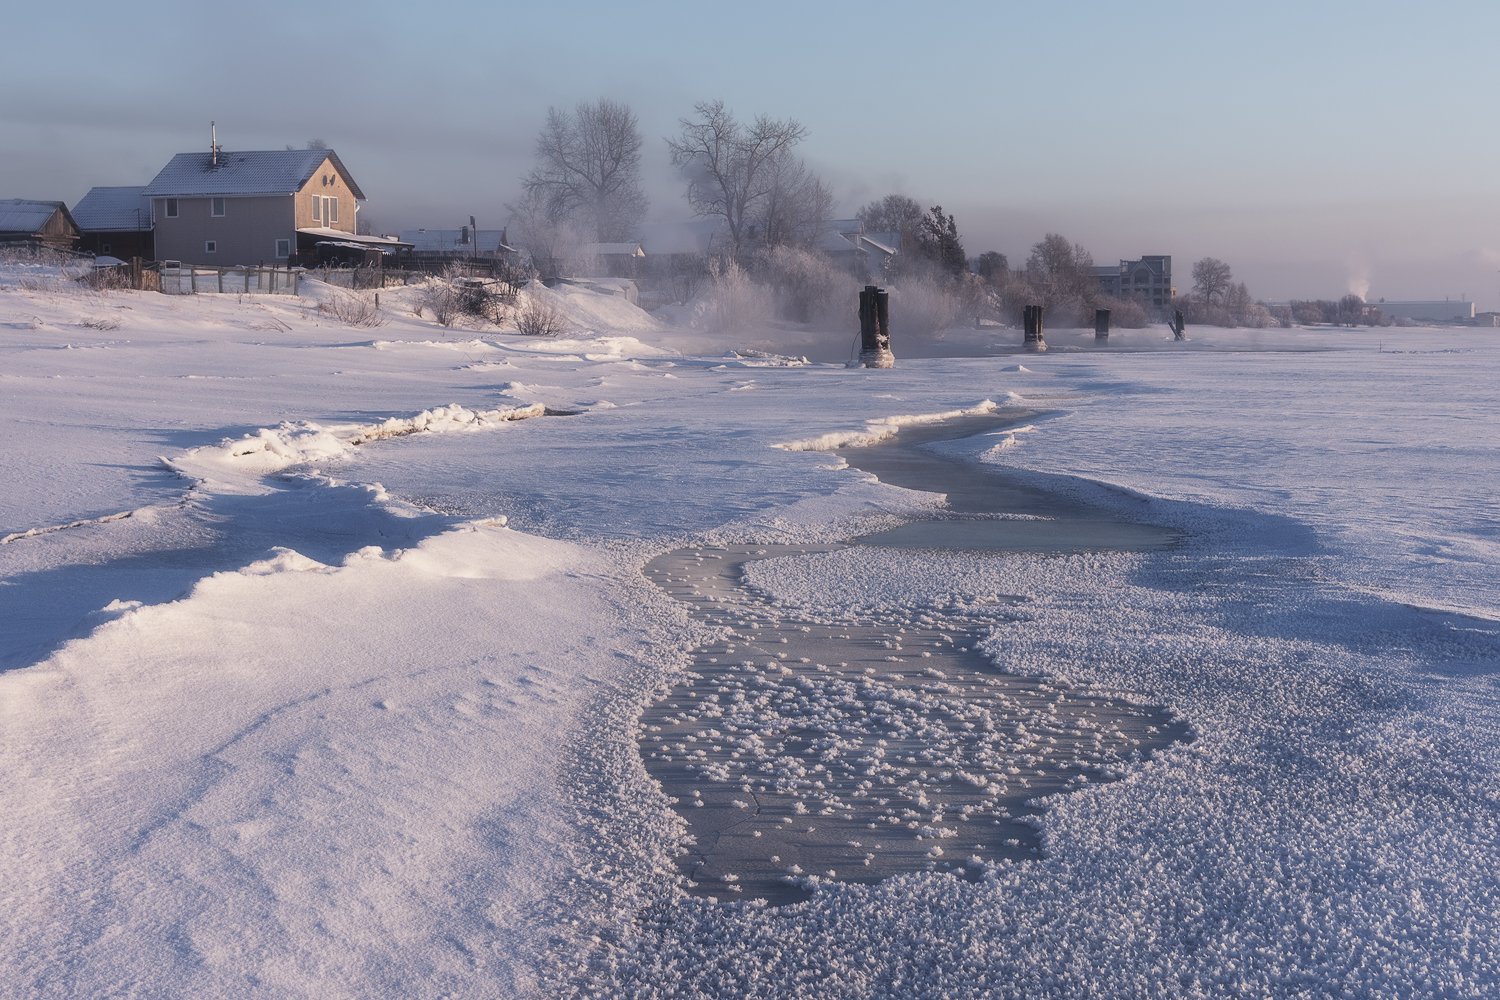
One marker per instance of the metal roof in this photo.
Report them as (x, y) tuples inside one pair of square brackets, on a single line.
[(364, 239), (451, 240), (114, 209), (613, 249), (274, 171), (20, 215)]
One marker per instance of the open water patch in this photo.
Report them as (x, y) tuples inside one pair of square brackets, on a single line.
[(808, 745)]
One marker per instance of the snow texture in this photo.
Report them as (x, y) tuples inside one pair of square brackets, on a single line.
[(322, 673)]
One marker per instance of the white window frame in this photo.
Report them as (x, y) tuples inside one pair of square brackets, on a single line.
[(216, 207), (283, 248), (210, 246), (169, 208), (331, 210), (317, 207)]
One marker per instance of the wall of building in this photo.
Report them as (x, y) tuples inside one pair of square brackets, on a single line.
[(326, 183), (245, 234)]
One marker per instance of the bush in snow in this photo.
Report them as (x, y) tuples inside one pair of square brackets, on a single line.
[(734, 301), (539, 319), (810, 288), (352, 309)]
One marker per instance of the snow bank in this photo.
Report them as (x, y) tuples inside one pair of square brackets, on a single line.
[(880, 429)]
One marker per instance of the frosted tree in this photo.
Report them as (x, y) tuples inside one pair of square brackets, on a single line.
[(732, 168), (588, 166), (1212, 279), (895, 213)]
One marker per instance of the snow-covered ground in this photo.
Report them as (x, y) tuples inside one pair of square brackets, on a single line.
[(322, 652)]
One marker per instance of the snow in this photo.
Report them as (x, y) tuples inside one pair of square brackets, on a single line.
[(324, 653)]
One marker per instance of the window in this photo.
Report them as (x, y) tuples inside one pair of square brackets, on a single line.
[(283, 248), (171, 208), (210, 246), (104, 248), (217, 208), (331, 210), (317, 208)]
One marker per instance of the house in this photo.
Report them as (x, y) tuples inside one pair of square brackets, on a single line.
[(613, 260), (865, 255), (1148, 280), (1428, 311), (37, 223), (269, 206), (460, 242), (116, 222)]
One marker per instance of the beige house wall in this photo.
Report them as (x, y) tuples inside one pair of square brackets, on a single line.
[(327, 182), (245, 234)]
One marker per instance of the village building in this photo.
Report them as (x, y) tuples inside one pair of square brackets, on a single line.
[(116, 222), (249, 208), (37, 224)]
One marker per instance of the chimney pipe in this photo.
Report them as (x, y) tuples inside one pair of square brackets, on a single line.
[(213, 144)]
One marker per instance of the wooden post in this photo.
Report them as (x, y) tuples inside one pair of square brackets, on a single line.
[(1101, 326), (874, 328), (1179, 328), (221, 281), (1036, 338)]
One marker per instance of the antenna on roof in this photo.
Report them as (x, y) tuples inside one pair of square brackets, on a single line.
[(213, 144)]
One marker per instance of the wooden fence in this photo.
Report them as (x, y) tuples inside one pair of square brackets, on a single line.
[(192, 279)]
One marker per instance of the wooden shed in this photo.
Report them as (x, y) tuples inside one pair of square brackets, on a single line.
[(37, 223)]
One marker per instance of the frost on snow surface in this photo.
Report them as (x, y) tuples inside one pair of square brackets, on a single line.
[(333, 666)]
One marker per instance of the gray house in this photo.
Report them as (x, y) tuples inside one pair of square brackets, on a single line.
[(116, 221), (229, 208), (37, 223)]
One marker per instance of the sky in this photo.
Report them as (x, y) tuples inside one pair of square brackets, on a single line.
[(1317, 147)]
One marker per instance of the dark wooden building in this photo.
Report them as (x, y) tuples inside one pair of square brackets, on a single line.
[(37, 223), (116, 222)]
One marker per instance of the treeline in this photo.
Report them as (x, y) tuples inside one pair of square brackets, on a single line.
[(772, 208)]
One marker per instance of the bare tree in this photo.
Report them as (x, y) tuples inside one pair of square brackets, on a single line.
[(895, 213), (588, 168), (795, 205), (1211, 279), (553, 244), (1060, 271), (731, 167)]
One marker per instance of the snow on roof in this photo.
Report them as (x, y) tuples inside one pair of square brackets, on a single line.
[(451, 240), (696, 236), (832, 241), (363, 239), (613, 249), (274, 171), (114, 209), (21, 215)]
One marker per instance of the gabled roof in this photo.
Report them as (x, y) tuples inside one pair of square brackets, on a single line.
[(613, 250), (695, 236), (21, 215), (274, 171), (113, 210)]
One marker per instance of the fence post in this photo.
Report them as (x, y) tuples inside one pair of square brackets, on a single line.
[(1101, 326), (221, 281), (1179, 328)]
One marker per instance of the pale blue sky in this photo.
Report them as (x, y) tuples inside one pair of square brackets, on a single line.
[(1312, 145)]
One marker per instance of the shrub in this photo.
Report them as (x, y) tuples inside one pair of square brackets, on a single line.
[(539, 319), (352, 309)]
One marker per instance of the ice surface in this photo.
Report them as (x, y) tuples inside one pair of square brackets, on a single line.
[(328, 728)]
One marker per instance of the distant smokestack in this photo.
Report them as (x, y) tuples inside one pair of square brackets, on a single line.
[(213, 144)]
